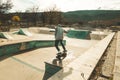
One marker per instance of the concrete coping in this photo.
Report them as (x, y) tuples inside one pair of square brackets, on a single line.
[(82, 67)]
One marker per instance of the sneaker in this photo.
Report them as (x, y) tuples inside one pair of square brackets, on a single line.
[(58, 56), (58, 53), (65, 51)]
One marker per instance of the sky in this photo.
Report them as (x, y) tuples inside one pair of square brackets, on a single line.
[(66, 5)]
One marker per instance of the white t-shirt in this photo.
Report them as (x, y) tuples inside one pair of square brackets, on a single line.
[(59, 33)]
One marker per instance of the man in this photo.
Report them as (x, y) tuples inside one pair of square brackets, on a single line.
[(59, 34)]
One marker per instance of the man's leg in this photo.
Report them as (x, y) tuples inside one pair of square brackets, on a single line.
[(63, 45), (59, 53), (56, 45)]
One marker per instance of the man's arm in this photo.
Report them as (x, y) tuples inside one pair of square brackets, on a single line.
[(55, 31), (65, 31)]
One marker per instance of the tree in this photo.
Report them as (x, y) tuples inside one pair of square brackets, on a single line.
[(16, 20), (52, 16), (32, 16), (5, 6)]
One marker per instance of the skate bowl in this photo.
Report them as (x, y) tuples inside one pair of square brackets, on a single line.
[(30, 65)]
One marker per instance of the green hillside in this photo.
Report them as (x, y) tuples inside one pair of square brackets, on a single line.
[(88, 15)]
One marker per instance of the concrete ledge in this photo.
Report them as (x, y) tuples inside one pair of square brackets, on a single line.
[(116, 72), (82, 67), (25, 45), (79, 34)]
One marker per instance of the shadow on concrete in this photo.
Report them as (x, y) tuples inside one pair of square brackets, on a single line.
[(3, 57), (55, 67)]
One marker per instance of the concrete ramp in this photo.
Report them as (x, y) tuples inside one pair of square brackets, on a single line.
[(79, 34), (24, 32), (5, 35), (82, 67), (97, 35), (50, 70)]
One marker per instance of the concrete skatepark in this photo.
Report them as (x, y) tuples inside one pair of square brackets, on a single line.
[(28, 63)]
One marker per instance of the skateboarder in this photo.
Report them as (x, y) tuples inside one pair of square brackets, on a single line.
[(59, 35)]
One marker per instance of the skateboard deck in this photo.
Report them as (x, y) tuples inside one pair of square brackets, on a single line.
[(57, 61), (61, 56)]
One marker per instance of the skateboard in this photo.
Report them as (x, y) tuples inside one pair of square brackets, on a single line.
[(61, 56)]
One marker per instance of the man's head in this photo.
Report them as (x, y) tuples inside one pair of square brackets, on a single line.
[(59, 25)]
